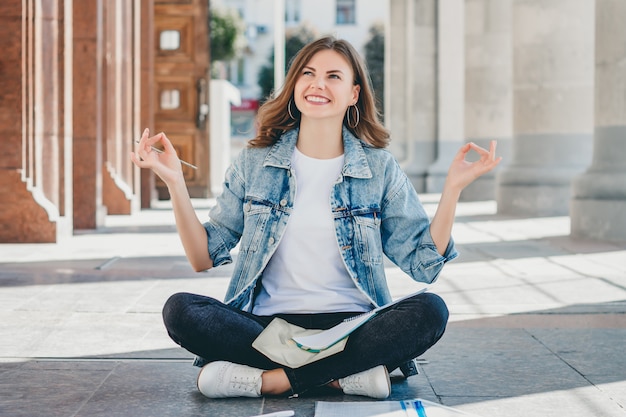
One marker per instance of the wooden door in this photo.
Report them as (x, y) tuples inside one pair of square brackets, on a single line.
[(181, 83)]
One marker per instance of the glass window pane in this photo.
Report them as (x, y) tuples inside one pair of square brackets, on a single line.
[(346, 12), (292, 11), (170, 99), (169, 40)]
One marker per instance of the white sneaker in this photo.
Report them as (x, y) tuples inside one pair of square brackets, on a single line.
[(373, 383), (222, 379)]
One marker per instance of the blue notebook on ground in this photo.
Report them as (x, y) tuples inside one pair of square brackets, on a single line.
[(403, 408), (327, 338)]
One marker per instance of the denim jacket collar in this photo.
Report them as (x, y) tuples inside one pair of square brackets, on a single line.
[(355, 161)]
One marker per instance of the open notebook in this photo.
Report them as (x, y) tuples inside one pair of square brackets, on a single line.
[(402, 408), (327, 338)]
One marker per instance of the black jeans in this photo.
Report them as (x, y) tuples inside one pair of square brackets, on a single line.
[(214, 331)]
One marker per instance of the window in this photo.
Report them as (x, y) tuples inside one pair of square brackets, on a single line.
[(170, 99), (169, 40), (346, 12), (292, 11), (241, 74)]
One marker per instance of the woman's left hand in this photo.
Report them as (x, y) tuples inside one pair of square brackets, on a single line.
[(462, 173)]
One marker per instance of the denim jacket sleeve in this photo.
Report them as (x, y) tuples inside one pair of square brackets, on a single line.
[(225, 225), (406, 233)]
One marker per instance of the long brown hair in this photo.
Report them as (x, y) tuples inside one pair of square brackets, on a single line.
[(274, 116)]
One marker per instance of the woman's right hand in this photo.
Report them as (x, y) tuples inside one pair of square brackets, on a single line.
[(166, 164)]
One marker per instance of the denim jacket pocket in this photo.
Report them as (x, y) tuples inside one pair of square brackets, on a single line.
[(367, 235), (256, 217)]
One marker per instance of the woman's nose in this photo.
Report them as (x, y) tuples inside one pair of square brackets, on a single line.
[(318, 82)]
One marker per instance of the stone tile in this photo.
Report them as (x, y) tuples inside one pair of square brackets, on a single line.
[(416, 386), (23, 332), (535, 326), (515, 249), (13, 297), (96, 334), (567, 319), (466, 234), (616, 391), (580, 245), (48, 390), (11, 364), (520, 229), (610, 266), (514, 286), (495, 363), (591, 352), (156, 388), (153, 299), (578, 402), (147, 388), (97, 297)]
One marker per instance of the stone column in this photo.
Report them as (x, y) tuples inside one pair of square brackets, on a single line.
[(552, 105), (450, 89), (34, 113), (488, 85), (147, 188), (89, 211), (26, 215), (122, 102), (598, 206), (411, 93)]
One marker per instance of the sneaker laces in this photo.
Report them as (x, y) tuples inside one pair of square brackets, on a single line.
[(244, 381)]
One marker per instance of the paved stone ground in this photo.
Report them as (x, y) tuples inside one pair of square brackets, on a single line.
[(538, 324)]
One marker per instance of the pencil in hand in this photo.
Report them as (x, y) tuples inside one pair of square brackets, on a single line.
[(157, 150)]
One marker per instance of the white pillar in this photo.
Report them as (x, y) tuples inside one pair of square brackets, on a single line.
[(488, 86), (279, 45), (222, 95), (552, 105), (450, 89), (598, 207), (411, 111)]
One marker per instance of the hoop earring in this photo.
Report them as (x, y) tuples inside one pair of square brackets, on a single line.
[(289, 109), (357, 118)]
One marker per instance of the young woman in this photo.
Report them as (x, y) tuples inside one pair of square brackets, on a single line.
[(314, 202)]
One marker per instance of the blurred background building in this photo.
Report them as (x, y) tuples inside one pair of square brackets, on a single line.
[(81, 79)]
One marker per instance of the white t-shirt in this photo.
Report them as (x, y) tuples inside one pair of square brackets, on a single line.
[(306, 273)]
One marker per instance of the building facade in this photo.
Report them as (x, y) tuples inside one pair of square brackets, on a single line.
[(346, 19), (544, 78), (81, 79)]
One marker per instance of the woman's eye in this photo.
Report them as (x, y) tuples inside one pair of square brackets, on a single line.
[(307, 73), (334, 76)]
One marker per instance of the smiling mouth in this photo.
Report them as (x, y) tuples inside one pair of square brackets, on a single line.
[(317, 99)]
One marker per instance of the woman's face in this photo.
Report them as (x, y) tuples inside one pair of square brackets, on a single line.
[(325, 87)]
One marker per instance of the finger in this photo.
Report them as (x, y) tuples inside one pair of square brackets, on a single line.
[(144, 135), (492, 149), (478, 149), (141, 143), (167, 144), (463, 151), (151, 141), (136, 160)]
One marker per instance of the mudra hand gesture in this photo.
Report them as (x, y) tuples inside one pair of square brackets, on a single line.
[(462, 172), (165, 164)]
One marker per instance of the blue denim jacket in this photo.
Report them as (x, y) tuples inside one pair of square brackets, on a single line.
[(375, 209)]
